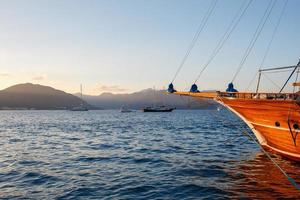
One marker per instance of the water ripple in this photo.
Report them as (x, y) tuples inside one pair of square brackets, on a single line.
[(106, 155)]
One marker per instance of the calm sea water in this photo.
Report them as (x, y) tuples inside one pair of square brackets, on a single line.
[(110, 155)]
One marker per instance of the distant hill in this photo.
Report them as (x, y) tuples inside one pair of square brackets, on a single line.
[(33, 96), (39, 97), (147, 97)]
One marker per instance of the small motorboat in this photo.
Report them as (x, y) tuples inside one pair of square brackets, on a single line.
[(158, 109), (125, 110), (80, 108)]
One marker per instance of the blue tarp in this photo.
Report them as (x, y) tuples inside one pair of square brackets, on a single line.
[(171, 88), (231, 88), (194, 88)]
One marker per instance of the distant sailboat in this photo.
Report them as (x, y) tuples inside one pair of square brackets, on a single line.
[(82, 106), (125, 110)]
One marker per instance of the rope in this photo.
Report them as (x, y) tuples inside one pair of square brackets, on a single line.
[(273, 34), (196, 36), (271, 80), (250, 83), (255, 36), (229, 140), (270, 43), (290, 179), (289, 78), (233, 24), (289, 115)]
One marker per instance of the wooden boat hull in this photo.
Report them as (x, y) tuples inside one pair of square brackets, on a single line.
[(274, 118), (275, 123)]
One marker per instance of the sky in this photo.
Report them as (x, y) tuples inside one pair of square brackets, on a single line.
[(122, 46)]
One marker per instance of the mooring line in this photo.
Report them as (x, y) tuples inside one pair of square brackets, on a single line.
[(245, 132), (290, 179)]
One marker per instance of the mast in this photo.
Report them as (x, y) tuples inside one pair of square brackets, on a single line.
[(81, 91), (81, 97), (154, 95), (258, 81)]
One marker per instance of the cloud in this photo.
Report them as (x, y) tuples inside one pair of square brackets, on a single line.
[(39, 77), (5, 74), (109, 88)]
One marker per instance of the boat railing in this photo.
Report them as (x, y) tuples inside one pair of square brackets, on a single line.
[(249, 95)]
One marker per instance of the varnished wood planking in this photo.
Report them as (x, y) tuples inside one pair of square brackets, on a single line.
[(263, 114), (279, 139)]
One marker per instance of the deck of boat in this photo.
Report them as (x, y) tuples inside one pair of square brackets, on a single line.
[(241, 95)]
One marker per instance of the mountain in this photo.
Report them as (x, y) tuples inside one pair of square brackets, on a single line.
[(33, 96), (145, 98)]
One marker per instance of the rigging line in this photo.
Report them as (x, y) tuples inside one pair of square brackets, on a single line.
[(294, 137), (271, 40), (297, 75), (271, 80), (196, 36), (275, 72), (259, 77), (290, 179), (245, 131), (267, 72), (273, 34), (233, 24), (255, 36), (250, 83), (289, 78), (230, 140)]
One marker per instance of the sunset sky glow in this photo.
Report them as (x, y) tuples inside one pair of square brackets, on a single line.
[(122, 46)]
